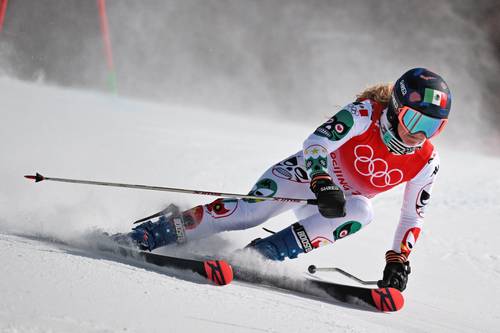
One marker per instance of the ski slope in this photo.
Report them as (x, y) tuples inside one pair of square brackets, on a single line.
[(48, 286)]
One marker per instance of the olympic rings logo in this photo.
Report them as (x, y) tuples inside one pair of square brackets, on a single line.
[(377, 169)]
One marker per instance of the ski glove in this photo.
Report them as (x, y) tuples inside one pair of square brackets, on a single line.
[(331, 200), (397, 269)]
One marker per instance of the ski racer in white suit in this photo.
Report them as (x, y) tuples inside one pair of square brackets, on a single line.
[(368, 147)]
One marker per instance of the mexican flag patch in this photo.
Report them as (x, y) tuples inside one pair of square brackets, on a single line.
[(435, 97)]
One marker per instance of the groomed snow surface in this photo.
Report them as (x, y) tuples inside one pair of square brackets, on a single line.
[(48, 286)]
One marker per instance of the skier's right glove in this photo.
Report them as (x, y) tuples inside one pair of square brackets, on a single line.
[(331, 200), (397, 269)]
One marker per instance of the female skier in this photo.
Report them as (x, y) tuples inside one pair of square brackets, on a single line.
[(373, 144)]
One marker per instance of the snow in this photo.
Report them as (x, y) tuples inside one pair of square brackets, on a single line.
[(46, 286)]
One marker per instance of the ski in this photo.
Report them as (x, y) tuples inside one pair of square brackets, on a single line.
[(380, 299), (218, 272), (377, 299)]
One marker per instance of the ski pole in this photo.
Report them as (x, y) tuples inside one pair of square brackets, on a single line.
[(313, 269), (38, 178)]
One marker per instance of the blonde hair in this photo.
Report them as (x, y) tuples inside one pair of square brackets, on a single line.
[(380, 93)]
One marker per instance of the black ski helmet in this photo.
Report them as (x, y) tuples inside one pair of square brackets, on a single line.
[(422, 90)]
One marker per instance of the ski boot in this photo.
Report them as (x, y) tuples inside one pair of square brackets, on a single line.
[(283, 244), (168, 229)]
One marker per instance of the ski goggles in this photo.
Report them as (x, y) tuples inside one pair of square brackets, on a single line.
[(416, 122)]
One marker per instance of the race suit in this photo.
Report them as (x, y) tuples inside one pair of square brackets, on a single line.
[(350, 149)]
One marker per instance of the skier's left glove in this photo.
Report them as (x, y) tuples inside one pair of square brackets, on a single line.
[(397, 269)]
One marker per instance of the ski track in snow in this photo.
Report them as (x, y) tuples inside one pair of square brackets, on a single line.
[(47, 286)]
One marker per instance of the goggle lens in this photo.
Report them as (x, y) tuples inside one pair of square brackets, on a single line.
[(416, 122)]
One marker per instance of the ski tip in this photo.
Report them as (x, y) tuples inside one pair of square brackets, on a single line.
[(219, 272), (388, 299), (37, 178)]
